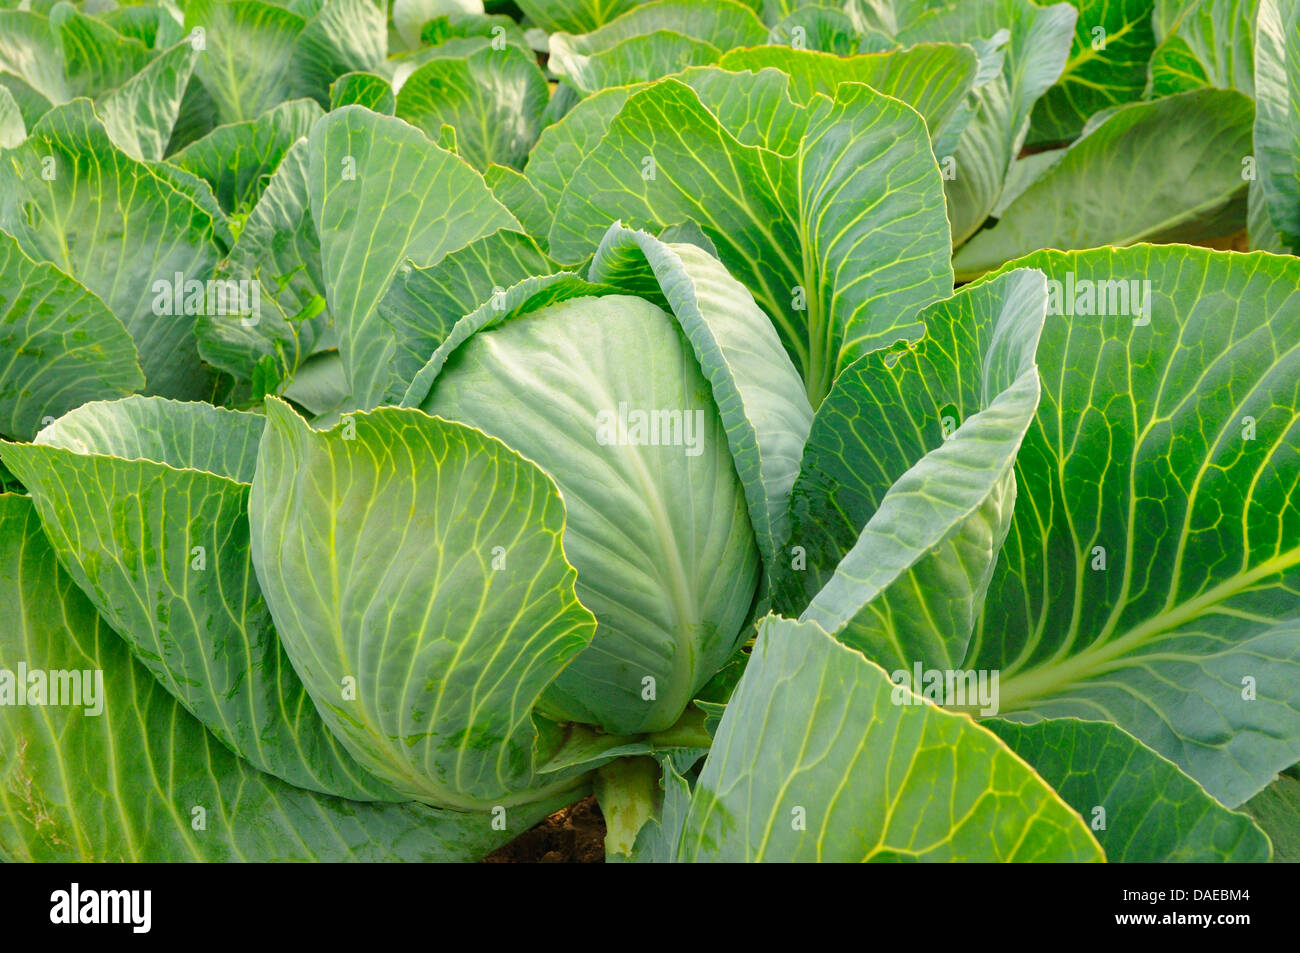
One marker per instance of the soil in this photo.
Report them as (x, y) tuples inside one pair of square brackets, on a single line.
[(572, 835)]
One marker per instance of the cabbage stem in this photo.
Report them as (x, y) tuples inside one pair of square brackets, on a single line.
[(627, 791)]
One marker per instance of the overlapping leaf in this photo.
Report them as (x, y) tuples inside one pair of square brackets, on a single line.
[(932, 78), (59, 345), (575, 16), (363, 89), (1277, 117), (96, 58), (725, 24), (652, 40), (524, 200), (493, 98), (816, 760), (31, 52), (639, 58), (278, 248), (118, 227), (172, 573), (365, 173), (149, 782), (246, 54), (1165, 171), (1028, 44), (239, 159), (1113, 42), (421, 656), (344, 36), (141, 114), (1141, 808), (1203, 43), (1151, 576), (822, 268), (922, 440), (424, 304)]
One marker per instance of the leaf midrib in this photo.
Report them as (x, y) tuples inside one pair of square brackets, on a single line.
[(1020, 690)]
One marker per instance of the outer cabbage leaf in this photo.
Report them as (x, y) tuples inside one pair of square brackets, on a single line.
[(724, 24), (141, 114), (513, 190), (424, 304), (1113, 43), (837, 278), (171, 572), (1277, 119), (365, 172), (344, 36), (59, 345), (814, 760), (638, 59), (158, 230), (246, 61), (562, 146), (1141, 808), (377, 544), (1203, 43), (575, 16), (1169, 170), (30, 51), (493, 98), (910, 588), (1151, 576), (239, 160), (96, 58), (363, 89), (278, 248), (152, 784), (932, 78), (1034, 42)]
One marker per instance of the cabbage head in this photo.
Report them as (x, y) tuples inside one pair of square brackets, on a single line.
[(557, 541)]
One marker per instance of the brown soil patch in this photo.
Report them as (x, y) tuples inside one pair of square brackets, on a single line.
[(572, 835)]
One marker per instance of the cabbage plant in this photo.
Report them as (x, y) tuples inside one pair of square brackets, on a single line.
[(467, 609), (810, 436)]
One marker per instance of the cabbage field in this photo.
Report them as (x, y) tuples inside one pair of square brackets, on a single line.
[(834, 431)]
